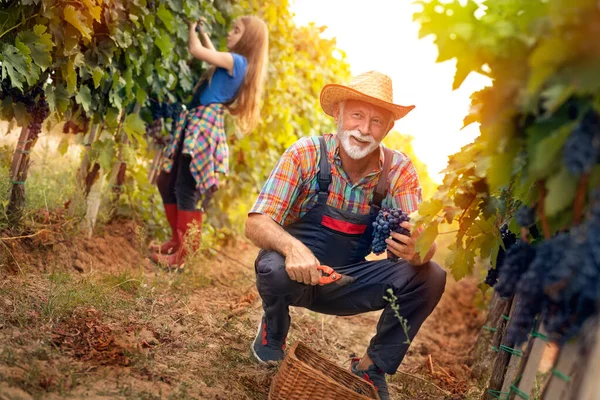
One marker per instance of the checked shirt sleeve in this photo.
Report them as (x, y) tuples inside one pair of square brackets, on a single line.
[(406, 189), (281, 188)]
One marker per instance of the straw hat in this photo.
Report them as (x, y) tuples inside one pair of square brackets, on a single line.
[(372, 87)]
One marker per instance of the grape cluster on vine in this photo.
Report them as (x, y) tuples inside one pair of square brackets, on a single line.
[(582, 148), (508, 239), (387, 221), (165, 110), (558, 279), (516, 262)]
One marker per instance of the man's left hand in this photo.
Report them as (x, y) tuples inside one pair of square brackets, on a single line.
[(406, 248)]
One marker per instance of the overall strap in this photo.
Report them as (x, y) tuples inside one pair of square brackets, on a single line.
[(324, 172), (383, 184)]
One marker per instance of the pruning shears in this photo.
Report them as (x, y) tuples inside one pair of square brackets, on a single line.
[(328, 275)]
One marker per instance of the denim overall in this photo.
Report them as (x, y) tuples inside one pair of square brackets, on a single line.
[(342, 240)]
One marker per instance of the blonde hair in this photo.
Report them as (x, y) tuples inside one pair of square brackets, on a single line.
[(254, 46)]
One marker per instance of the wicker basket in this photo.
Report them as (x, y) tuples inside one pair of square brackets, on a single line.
[(306, 375)]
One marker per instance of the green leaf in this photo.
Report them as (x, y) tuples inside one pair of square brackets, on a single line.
[(7, 112), (79, 22), (166, 17), (481, 227), (97, 75), (14, 65), (462, 263), (68, 73), (219, 18), (21, 114), (430, 207), (547, 151), (545, 58), (105, 157), (63, 145), (134, 126), (164, 43), (562, 188), (84, 97), (58, 97), (39, 47), (112, 117), (426, 239), (500, 169)]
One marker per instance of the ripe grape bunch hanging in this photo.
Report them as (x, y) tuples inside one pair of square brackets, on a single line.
[(35, 105), (388, 221)]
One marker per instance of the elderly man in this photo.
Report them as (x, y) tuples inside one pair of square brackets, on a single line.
[(317, 208)]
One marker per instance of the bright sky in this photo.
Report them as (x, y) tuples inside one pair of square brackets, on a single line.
[(380, 35)]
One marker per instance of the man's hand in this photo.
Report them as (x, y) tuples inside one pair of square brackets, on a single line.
[(406, 248), (301, 265)]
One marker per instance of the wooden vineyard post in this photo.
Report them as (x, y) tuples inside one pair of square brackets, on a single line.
[(502, 360), (18, 175), (530, 363), (564, 369), (85, 177), (491, 335), (590, 382)]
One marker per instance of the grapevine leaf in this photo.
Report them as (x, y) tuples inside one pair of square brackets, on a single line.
[(63, 145), (164, 43), (426, 238), (97, 75), (21, 114), (74, 17), (84, 97), (6, 109), (463, 263), (94, 10), (14, 65), (70, 76), (561, 192), (134, 126), (430, 207), (547, 151), (58, 97), (39, 47), (166, 17)]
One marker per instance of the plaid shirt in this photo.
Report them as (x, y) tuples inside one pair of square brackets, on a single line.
[(292, 188), (205, 141)]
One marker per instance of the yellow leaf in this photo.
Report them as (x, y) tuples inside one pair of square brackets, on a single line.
[(430, 207), (464, 259), (73, 17), (95, 11), (426, 239)]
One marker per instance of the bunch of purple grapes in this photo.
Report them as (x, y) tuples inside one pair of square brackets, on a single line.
[(582, 148), (557, 280), (508, 239), (387, 221)]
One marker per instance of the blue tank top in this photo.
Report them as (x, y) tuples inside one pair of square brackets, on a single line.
[(222, 87)]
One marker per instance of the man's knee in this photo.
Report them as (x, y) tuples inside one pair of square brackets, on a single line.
[(435, 280), (271, 276)]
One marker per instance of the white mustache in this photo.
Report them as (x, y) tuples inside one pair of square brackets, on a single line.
[(360, 137)]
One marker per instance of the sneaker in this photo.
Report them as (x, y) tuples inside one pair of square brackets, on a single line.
[(373, 375), (264, 348)]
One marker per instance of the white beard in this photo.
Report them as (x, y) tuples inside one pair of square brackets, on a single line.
[(354, 151)]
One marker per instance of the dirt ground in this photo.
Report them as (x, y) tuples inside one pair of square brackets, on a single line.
[(93, 318)]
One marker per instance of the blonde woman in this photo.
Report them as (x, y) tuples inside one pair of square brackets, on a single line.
[(199, 151)]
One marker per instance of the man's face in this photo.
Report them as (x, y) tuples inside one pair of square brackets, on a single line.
[(361, 127)]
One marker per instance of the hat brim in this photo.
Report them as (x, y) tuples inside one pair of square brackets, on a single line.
[(332, 94)]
